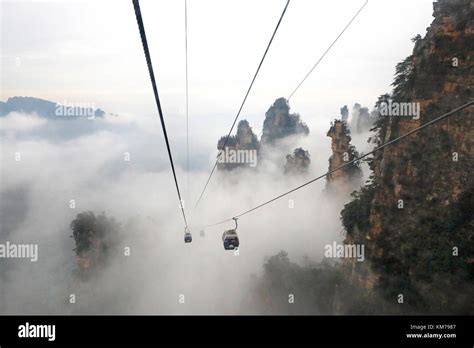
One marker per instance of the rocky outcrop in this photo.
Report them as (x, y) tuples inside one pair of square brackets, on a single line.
[(280, 123), (345, 179), (241, 150), (94, 236), (344, 113), (298, 162), (409, 215), (362, 119)]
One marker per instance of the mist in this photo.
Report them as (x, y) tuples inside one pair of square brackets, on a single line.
[(84, 161)]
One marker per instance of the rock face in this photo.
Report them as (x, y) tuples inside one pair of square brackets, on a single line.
[(95, 236), (344, 113), (342, 180), (413, 216), (298, 162), (279, 123), (362, 119), (241, 149)]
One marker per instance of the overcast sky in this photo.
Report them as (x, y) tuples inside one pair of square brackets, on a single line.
[(90, 51)]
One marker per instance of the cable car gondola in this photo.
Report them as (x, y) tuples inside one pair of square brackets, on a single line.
[(230, 238), (188, 238)]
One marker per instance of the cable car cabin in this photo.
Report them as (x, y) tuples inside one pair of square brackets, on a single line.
[(230, 239), (188, 238)]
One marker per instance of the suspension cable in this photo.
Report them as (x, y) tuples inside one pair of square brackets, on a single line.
[(187, 93), (243, 102), (328, 49), (141, 28)]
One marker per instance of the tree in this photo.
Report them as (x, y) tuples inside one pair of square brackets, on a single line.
[(94, 237)]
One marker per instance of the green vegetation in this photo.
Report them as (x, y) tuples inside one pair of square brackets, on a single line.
[(356, 213), (94, 236), (298, 162), (315, 287)]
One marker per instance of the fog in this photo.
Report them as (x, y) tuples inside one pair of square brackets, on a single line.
[(83, 160)]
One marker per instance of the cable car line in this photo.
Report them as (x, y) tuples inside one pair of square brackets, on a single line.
[(187, 93), (243, 102), (141, 28), (391, 142), (328, 49)]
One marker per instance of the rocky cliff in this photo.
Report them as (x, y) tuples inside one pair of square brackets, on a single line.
[(241, 149), (298, 162), (347, 178), (416, 217), (362, 118), (280, 123)]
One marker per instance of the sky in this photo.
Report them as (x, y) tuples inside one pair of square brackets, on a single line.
[(90, 51)]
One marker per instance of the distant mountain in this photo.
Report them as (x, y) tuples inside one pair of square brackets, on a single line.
[(46, 108)]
